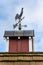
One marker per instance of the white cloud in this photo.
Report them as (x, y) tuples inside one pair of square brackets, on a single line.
[(39, 45)]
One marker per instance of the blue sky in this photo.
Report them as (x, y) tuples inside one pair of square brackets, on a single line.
[(33, 12)]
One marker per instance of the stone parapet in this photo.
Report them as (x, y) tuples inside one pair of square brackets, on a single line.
[(29, 58)]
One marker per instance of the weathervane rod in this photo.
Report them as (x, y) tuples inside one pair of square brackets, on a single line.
[(19, 24)]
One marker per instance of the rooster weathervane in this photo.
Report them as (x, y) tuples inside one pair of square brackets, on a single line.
[(20, 18)]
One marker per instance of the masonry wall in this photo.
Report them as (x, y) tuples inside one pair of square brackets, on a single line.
[(21, 63), (35, 58)]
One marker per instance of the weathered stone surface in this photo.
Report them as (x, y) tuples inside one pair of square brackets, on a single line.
[(34, 58)]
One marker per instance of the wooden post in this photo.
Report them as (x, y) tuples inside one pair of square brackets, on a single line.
[(7, 47), (32, 45)]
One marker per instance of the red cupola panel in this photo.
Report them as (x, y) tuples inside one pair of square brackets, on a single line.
[(25, 45), (18, 45), (13, 45)]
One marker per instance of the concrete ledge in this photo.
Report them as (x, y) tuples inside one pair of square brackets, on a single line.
[(24, 57)]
